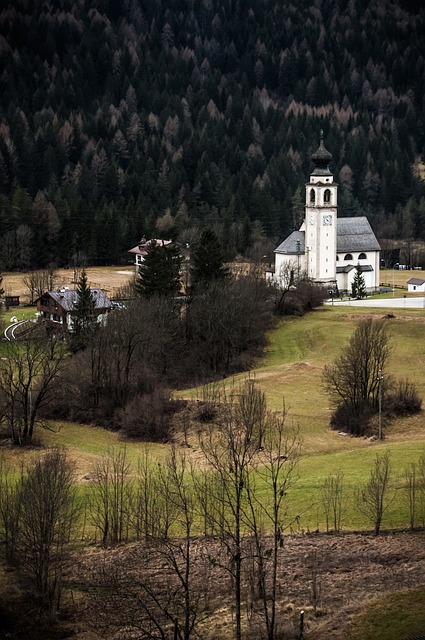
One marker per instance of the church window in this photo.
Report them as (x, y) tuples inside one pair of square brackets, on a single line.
[(362, 256), (337, 258), (348, 256), (312, 196), (327, 196)]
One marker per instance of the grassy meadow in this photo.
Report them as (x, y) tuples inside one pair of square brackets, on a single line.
[(291, 373), (399, 615)]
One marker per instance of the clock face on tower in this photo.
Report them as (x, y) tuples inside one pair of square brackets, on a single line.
[(327, 220)]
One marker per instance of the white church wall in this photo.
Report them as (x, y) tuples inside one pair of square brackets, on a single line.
[(285, 266)]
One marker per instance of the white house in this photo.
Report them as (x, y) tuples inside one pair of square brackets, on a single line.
[(141, 249), (416, 284), (326, 248)]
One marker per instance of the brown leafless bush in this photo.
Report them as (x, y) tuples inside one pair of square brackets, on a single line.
[(404, 400), (148, 416)]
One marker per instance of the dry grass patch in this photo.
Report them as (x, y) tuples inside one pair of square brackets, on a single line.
[(110, 279)]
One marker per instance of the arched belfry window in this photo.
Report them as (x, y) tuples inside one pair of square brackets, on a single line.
[(312, 196), (327, 196), (362, 256), (348, 256)]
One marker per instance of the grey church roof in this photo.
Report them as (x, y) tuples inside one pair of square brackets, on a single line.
[(290, 245), (355, 234), (350, 267)]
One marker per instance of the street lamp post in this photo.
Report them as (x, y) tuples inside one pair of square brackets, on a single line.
[(394, 266), (380, 378)]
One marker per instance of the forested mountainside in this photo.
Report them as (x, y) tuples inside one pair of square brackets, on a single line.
[(155, 117)]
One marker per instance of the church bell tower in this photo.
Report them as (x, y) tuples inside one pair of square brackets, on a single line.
[(321, 207)]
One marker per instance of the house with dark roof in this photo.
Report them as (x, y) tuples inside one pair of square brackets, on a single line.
[(57, 307), (327, 249)]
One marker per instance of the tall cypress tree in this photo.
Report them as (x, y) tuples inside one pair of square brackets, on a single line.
[(159, 274), (207, 260), (358, 286)]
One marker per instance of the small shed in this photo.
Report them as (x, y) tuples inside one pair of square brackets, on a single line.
[(11, 301), (416, 284)]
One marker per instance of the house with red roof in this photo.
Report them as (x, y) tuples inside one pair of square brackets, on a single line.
[(140, 250)]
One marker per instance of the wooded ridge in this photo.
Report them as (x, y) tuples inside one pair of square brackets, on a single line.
[(132, 118)]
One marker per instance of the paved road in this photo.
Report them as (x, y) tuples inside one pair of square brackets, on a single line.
[(385, 303), (9, 332)]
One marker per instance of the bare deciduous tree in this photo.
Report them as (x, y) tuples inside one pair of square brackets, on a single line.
[(110, 498), (145, 509), (27, 373), (10, 508), (375, 497), (162, 588), (421, 488), (48, 513), (251, 448), (332, 496), (38, 282), (410, 475), (353, 381), (273, 470)]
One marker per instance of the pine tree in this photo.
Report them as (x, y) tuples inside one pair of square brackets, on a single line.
[(159, 274), (297, 208), (83, 316), (207, 260), (358, 286)]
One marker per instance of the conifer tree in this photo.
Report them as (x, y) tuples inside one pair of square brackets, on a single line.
[(358, 286), (83, 316), (159, 274), (207, 260)]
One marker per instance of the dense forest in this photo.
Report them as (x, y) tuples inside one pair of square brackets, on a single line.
[(119, 119)]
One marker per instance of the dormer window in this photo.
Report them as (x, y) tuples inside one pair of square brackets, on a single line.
[(327, 196), (348, 256), (362, 256), (312, 196)]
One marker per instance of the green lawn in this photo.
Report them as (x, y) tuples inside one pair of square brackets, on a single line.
[(395, 617), (291, 372)]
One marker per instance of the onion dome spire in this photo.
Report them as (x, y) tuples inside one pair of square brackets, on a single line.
[(321, 159)]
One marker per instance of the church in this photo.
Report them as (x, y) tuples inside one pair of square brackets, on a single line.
[(327, 249)]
